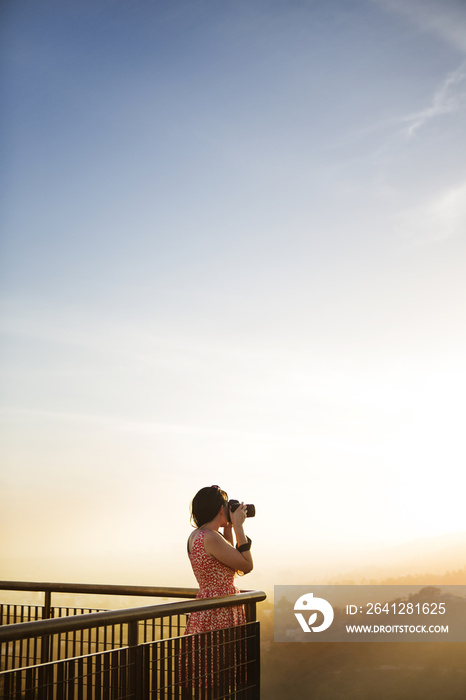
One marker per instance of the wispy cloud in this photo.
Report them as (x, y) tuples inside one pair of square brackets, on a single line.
[(448, 99), (445, 19), (441, 219)]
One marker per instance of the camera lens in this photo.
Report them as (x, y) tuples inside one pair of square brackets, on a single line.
[(250, 508)]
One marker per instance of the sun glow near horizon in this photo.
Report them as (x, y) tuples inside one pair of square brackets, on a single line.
[(315, 489)]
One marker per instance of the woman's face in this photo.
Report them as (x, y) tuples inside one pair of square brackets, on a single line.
[(225, 510)]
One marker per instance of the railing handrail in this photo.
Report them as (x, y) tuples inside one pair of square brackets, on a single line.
[(99, 588), (38, 628)]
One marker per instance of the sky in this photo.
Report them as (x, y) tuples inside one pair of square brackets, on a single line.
[(232, 252)]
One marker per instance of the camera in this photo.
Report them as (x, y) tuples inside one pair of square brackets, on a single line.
[(250, 508)]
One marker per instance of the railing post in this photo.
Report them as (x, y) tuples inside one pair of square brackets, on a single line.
[(45, 641), (250, 610), (258, 661), (134, 676), (45, 649), (46, 610)]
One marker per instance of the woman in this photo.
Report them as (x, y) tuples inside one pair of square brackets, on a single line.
[(215, 562)]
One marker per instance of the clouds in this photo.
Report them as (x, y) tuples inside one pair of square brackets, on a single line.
[(436, 220), (444, 19), (448, 99)]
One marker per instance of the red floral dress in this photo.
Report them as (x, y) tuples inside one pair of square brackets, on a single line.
[(214, 578), (214, 662)]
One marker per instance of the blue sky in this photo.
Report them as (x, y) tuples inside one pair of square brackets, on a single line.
[(232, 252)]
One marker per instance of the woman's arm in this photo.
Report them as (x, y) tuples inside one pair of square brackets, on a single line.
[(228, 533), (219, 548)]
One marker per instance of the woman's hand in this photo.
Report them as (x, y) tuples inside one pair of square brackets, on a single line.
[(239, 516), (222, 548)]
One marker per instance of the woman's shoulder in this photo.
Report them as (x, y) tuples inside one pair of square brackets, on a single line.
[(212, 536), (198, 534), (206, 537), (214, 542)]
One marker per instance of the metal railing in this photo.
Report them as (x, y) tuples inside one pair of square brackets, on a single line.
[(132, 653)]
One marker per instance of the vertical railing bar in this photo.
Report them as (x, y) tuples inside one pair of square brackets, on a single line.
[(171, 669), (106, 676), (59, 695), (98, 677), (19, 651), (229, 634), (14, 646), (163, 660), (244, 642), (47, 605), (86, 639), (81, 678), (35, 652), (202, 662), (237, 661), (87, 678), (257, 660), (190, 662), (229, 654), (115, 657), (227, 649), (20, 684), (6, 687), (17, 685), (221, 661), (212, 664), (124, 674), (28, 650), (155, 670), (94, 675), (71, 679), (90, 640), (29, 684), (209, 665), (81, 642), (144, 671), (132, 635)]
